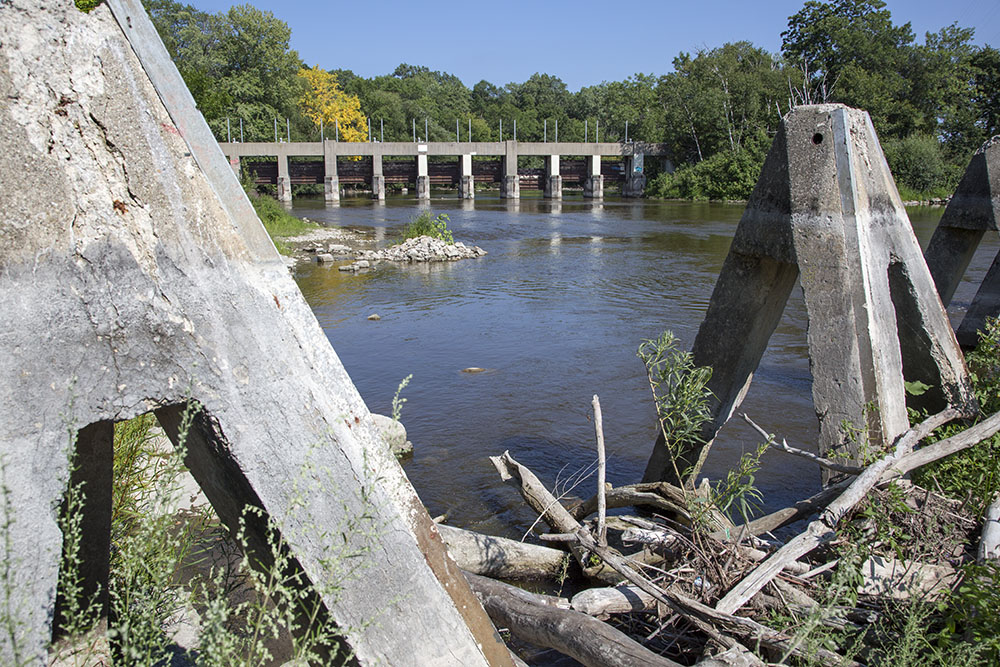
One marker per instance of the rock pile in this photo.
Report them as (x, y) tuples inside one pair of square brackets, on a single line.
[(423, 249)]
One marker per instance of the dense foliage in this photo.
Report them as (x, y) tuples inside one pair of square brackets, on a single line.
[(933, 103)]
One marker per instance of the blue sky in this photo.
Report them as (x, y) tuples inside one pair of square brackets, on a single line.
[(582, 42)]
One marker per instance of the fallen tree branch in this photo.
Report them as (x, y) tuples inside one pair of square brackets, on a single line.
[(656, 495), (572, 633), (704, 616), (822, 530), (502, 558)]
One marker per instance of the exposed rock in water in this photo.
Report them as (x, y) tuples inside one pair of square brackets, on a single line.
[(423, 249), (394, 434)]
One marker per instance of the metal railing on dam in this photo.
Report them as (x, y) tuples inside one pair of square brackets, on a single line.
[(378, 163)]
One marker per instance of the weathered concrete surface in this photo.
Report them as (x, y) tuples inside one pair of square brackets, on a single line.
[(130, 281), (972, 211), (826, 211)]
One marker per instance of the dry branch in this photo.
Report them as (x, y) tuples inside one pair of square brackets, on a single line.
[(707, 618), (822, 530), (602, 533), (772, 441)]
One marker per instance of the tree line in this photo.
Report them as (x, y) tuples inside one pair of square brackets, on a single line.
[(933, 102)]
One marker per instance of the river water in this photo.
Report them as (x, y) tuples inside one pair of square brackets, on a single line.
[(554, 313)]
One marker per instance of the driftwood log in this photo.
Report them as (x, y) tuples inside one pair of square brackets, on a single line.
[(503, 558), (582, 637)]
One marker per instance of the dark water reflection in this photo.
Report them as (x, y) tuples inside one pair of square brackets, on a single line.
[(555, 312)]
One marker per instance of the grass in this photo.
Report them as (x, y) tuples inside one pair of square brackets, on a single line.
[(279, 223)]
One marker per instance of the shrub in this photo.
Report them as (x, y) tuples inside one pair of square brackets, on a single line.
[(919, 166), (725, 175), (425, 225)]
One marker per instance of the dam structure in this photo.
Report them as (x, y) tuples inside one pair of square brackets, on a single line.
[(376, 164)]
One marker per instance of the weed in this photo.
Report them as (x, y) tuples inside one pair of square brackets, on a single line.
[(397, 402), (681, 394)]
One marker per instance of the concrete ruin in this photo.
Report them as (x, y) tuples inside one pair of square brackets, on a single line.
[(826, 212), (973, 210), (135, 277)]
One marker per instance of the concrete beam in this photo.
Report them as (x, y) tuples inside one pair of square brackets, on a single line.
[(163, 289), (826, 210), (401, 148), (973, 210)]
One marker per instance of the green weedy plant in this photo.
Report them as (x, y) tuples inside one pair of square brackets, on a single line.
[(974, 473), (397, 402), (681, 394), (425, 225)]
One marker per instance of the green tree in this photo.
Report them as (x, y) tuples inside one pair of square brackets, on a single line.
[(852, 52)]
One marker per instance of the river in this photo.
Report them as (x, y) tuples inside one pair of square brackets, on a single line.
[(554, 313)]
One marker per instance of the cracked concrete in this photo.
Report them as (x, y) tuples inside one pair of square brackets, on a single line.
[(129, 284)]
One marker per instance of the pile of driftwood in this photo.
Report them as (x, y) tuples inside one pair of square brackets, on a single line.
[(670, 588)]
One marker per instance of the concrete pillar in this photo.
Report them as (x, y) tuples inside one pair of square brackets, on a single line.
[(593, 184), (423, 180), (972, 211), (183, 298), (378, 180), (234, 162), (635, 179), (331, 182), (553, 180), (284, 180), (510, 188), (466, 182), (826, 211)]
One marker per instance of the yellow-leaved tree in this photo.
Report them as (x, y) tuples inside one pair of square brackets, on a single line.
[(323, 102)]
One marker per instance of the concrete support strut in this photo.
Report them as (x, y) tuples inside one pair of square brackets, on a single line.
[(635, 180), (423, 180), (973, 210), (378, 179), (510, 188), (553, 179), (826, 211), (331, 181), (466, 182), (593, 185), (284, 180), (135, 277)]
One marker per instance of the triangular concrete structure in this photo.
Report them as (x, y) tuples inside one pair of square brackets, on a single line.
[(973, 210), (134, 277), (826, 211)]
